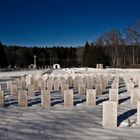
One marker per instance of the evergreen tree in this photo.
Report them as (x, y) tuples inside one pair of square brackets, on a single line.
[(3, 59)]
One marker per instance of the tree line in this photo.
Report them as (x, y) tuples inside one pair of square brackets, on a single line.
[(16, 56), (113, 48)]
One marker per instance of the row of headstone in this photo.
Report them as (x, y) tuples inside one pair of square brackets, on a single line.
[(79, 83), (46, 98), (133, 92)]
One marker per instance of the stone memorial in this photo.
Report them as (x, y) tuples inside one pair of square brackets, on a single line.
[(45, 98), (68, 98), (2, 98), (22, 83), (113, 95), (56, 85), (31, 90), (138, 112), (50, 85), (81, 89), (135, 96), (91, 97), (98, 87), (109, 114), (22, 98), (115, 85), (14, 90), (9, 85)]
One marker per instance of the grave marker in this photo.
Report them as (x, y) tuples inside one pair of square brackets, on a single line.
[(22, 98), (91, 97), (68, 98), (45, 98), (109, 114)]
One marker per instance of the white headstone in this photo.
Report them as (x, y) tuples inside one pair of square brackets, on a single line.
[(113, 95), (45, 98), (22, 98), (68, 98), (2, 98), (91, 97), (110, 114)]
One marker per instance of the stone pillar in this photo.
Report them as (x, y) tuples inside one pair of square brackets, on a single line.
[(91, 97), (14, 90), (113, 95), (22, 98), (45, 98), (109, 114), (0, 87), (31, 90), (68, 98), (2, 102), (135, 96), (138, 112)]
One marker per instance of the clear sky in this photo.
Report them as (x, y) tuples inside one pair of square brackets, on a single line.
[(63, 22)]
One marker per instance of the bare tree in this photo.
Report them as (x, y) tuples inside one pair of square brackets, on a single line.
[(112, 39), (132, 38)]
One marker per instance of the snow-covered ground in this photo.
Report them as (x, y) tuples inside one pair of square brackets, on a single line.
[(19, 73), (59, 123)]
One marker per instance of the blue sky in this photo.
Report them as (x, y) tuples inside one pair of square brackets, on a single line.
[(63, 22)]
